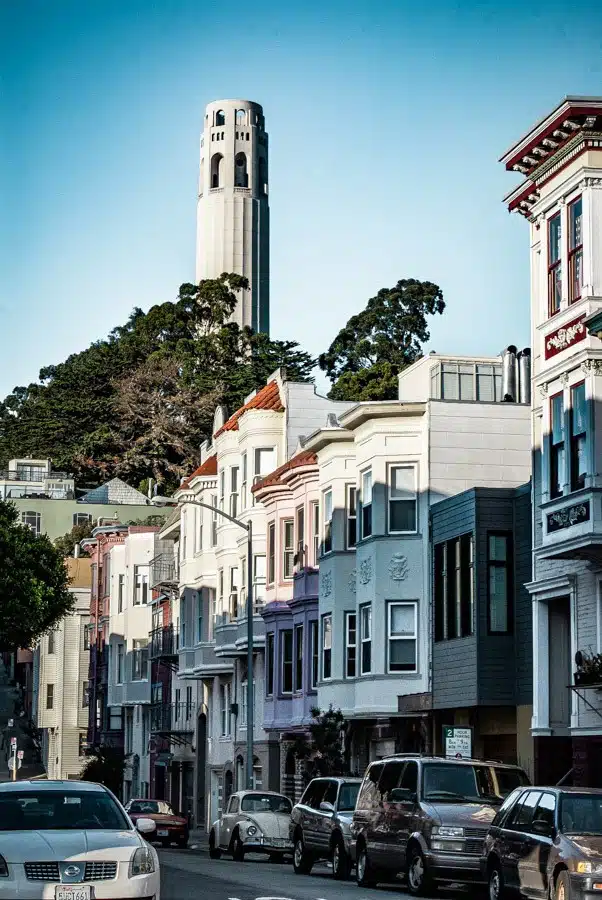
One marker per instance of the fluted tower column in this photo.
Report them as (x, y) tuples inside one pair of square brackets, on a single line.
[(233, 216)]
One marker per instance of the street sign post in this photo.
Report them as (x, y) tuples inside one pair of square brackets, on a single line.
[(457, 742)]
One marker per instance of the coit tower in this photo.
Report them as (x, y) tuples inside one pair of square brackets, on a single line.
[(233, 216)]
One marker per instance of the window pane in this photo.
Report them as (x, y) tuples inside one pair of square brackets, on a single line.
[(554, 238), (575, 213), (328, 506), (466, 383), (498, 545), (402, 515), (557, 419), (485, 384), (366, 622), (578, 409), (327, 633), (402, 656), (402, 620), (403, 483), (498, 598), (366, 488), (450, 384)]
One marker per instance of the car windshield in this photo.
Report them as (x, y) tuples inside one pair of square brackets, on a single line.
[(347, 797), (59, 810), (258, 803), (450, 783), (144, 806), (581, 813)]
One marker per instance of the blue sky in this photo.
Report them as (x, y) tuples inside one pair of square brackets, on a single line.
[(386, 121)]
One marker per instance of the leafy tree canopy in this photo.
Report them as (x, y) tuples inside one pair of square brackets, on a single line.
[(34, 583), (366, 356), (141, 402), (105, 765), (323, 753), (66, 543)]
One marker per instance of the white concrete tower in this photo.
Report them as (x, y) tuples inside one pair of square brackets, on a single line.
[(233, 224)]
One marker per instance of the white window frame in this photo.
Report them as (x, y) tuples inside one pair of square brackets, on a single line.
[(214, 520), (233, 598), (348, 517), (314, 637), (284, 632), (119, 664), (140, 583), (390, 500), (349, 645), (182, 623), (300, 536), (324, 647), (234, 491), (225, 699), (366, 607), (222, 488), (259, 581), (220, 590), (271, 554), (390, 638), (327, 501), (33, 520), (315, 534), (199, 616), (242, 718), (288, 550), (140, 660), (243, 481)]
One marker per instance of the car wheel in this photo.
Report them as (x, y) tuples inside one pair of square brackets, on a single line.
[(214, 852), (341, 864), (302, 861), (238, 849), (364, 873), (417, 875), (563, 886), (496, 881)]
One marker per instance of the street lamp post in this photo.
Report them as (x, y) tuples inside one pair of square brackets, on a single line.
[(248, 527)]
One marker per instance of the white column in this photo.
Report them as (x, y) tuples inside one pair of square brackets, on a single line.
[(541, 665)]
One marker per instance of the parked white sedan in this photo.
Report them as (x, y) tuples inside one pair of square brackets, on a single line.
[(72, 840), (254, 822)]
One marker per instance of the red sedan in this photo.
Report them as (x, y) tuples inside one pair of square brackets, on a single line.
[(170, 828)]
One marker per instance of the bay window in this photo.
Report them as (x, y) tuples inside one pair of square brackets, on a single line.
[(300, 537), (326, 647), (351, 516), (499, 583), (454, 588), (402, 628), (554, 265), (140, 660), (269, 664), (402, 499), (350, 644), (575, 211), (366, 501), (225, 703), (366, 639), (214, 520), (578, 437), (233, 491), (288, 549), (222, 488), (233, 592), (327, 523), (556, 445), (315, 531), (243, 482), (259, 565), (315, 654)]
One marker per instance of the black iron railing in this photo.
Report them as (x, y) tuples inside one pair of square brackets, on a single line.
[(164, 642)]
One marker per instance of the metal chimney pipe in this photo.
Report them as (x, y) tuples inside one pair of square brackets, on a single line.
[(76, 551), (524, 376), (509, 393)]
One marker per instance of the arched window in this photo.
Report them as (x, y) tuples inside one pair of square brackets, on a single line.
[(241, 117), (216, 170), (263, 176), (247, 135), (220, 118), (202, 178), (241, 178)]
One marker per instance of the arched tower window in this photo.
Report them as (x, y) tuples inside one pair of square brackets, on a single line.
[(216, 170), (241, 117), (220, 118), (263, 176), (241, 177)]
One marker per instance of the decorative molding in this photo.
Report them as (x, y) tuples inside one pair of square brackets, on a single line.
[(398, 567), (326, 584), (563, 378), (592, 182), (592, 366), (565, 336), (352, 581), (567, 517), (543, 389), (365, 571)]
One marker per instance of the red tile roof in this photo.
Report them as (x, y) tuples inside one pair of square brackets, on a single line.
[(209, 467), (267, 398), (304, 458)]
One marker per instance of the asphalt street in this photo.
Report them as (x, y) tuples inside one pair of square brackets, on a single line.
[(187, 874)]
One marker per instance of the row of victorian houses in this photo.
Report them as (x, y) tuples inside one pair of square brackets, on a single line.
[(426, 563)]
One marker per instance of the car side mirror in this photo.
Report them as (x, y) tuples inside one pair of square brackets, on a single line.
[(145, 826), (540, 826), (326, 807), (401, 795)]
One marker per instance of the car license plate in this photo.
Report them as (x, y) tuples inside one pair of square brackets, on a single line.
[(163, 834), (73, 892)]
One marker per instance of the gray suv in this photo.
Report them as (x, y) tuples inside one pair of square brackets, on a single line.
[(320, 825), (427, 816)]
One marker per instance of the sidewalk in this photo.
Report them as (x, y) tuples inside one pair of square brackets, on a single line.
[(199, 840)]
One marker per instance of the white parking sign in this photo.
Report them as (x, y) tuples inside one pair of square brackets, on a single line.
[(458, 742)]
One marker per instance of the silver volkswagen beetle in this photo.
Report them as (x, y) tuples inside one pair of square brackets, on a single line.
[(253, 822)]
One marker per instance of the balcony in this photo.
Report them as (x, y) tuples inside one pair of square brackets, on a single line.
[(164, 646), (174, 721), (572, 526), (164, 571), (35, 474)]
